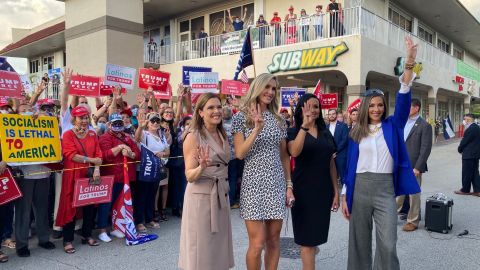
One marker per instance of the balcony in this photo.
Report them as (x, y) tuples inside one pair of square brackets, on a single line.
[(353, 21), (53, 87)]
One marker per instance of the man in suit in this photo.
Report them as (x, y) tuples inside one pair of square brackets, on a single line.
[(470, 149), (339, 132), (418, 139)]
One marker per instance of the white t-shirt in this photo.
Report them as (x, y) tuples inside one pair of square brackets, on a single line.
[(155, 142)]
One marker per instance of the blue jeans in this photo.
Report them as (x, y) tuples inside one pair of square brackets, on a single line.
[(318, 31), (104, 209), (233, 179)]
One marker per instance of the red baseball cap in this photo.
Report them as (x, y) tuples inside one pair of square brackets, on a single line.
[(127, 111), (290, 8), (80, 111), (46, 102)]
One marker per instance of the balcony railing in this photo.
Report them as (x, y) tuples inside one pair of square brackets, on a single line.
[(284, 33), (53, 87), (351, 21)]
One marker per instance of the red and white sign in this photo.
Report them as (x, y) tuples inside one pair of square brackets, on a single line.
[(158, 80), (10, 84), (86, 194), (236, 88), (9, 190), (354, 105), (329, 101), (164, 95), (85, 86), (106, 90), (318, 90)]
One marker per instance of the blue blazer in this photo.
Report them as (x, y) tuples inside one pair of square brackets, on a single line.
[(404, 180), (341, 140)]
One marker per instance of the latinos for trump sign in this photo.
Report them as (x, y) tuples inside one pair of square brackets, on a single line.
[(186, 73), (84, 86), (9, 190), (329, 101), (86, 193), (204, 82), (118, 75), (28, 140), (289, 92), (153, 78), (10, 84), (236, 88)]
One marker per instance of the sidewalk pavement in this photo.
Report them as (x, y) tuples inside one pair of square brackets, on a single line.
[(416, 250)]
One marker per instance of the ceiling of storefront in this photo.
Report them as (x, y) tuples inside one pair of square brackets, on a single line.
[(159, 10), (448, 17)]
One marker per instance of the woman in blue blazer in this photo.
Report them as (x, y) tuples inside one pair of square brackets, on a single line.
[(378, 170)]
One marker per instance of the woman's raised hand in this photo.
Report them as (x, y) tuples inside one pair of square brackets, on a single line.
[(411, 49), (256, 114), (67, 76), (308, 119)]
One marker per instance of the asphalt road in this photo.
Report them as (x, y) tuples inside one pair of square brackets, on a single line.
[(416, 250)]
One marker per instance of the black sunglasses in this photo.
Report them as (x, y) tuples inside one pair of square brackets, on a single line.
[(155, 120), (373, 92)]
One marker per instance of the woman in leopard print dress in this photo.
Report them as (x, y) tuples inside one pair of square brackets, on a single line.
[(260, 139)]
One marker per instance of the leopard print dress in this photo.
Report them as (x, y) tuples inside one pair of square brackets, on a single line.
[(262, 193)]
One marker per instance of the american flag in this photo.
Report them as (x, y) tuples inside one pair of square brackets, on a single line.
[(244, 77)]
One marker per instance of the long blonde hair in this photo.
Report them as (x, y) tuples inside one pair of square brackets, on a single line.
[(361, 130), (256, 88), (197, 121)]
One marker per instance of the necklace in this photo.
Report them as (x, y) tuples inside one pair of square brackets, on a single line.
[(374, 129)]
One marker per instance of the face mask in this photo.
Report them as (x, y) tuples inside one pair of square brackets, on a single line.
[(4, 112), (102, 126), (118, 128), (237, 20), (128, 126), (134, 112), (27, 113)]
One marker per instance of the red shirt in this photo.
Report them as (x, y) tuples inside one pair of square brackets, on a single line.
[(276, 21), (108, 141)]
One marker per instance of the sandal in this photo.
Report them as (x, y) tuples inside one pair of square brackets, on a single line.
[(90, 241), (3, 257), (153, 225), (9, 243), (141, 228), (163, 215), (68, 248)]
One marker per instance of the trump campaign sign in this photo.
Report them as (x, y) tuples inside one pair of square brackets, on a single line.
[(86, 193), (158, 80), (9, 190), (164, 95), (329, 101), (186, 73), (81, 85), (289, 93), (204, 82), (236, 88), (10, 84), (118, 75)]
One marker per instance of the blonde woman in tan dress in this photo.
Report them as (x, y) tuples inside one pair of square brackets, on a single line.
[(206, 235)]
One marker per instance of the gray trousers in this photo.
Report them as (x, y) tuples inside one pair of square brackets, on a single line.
[(35, 193), (373, 200)]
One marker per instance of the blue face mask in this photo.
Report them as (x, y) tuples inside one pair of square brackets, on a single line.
[(27, 113), (102, 126), (134, 112)]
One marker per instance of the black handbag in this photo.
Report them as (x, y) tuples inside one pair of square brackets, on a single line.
[(91, 170)]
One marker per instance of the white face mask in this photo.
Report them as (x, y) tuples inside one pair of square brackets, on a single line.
[(28, 113), (4, 112)]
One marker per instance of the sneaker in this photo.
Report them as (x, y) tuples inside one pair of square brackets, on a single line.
[(117, 234), (104, 237)]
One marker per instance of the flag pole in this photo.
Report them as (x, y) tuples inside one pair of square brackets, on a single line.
[(253, 57)]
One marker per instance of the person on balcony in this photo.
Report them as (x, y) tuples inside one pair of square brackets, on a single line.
[(262, 26), (335, 10), (304, 25), (152, 50), (290, 23), (202, 36), (275, 23), (317, 20), (237, 23)]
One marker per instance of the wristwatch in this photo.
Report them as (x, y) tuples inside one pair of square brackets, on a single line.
[(304, 128)]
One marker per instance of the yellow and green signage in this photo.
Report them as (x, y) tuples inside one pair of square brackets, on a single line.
[(307, 58)]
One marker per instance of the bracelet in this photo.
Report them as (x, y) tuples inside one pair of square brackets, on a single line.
[(84, 159), (304, 128), (289, 184), (410, 66)]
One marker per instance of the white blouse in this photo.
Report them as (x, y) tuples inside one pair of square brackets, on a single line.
[(374, 156)]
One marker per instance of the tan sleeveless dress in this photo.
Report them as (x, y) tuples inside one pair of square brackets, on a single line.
[(206, 234)]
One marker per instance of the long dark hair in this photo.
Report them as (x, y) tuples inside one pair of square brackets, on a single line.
[(298, 116)]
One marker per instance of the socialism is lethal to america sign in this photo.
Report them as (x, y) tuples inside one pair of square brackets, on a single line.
[(307, 58), (28, 140)]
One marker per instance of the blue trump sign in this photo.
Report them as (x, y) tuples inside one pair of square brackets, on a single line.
[(186, 73), (289, 92)]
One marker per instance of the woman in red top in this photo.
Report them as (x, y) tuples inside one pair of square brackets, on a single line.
[(80, 149)]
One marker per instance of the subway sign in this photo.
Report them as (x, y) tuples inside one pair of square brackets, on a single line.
[(307, 58)]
